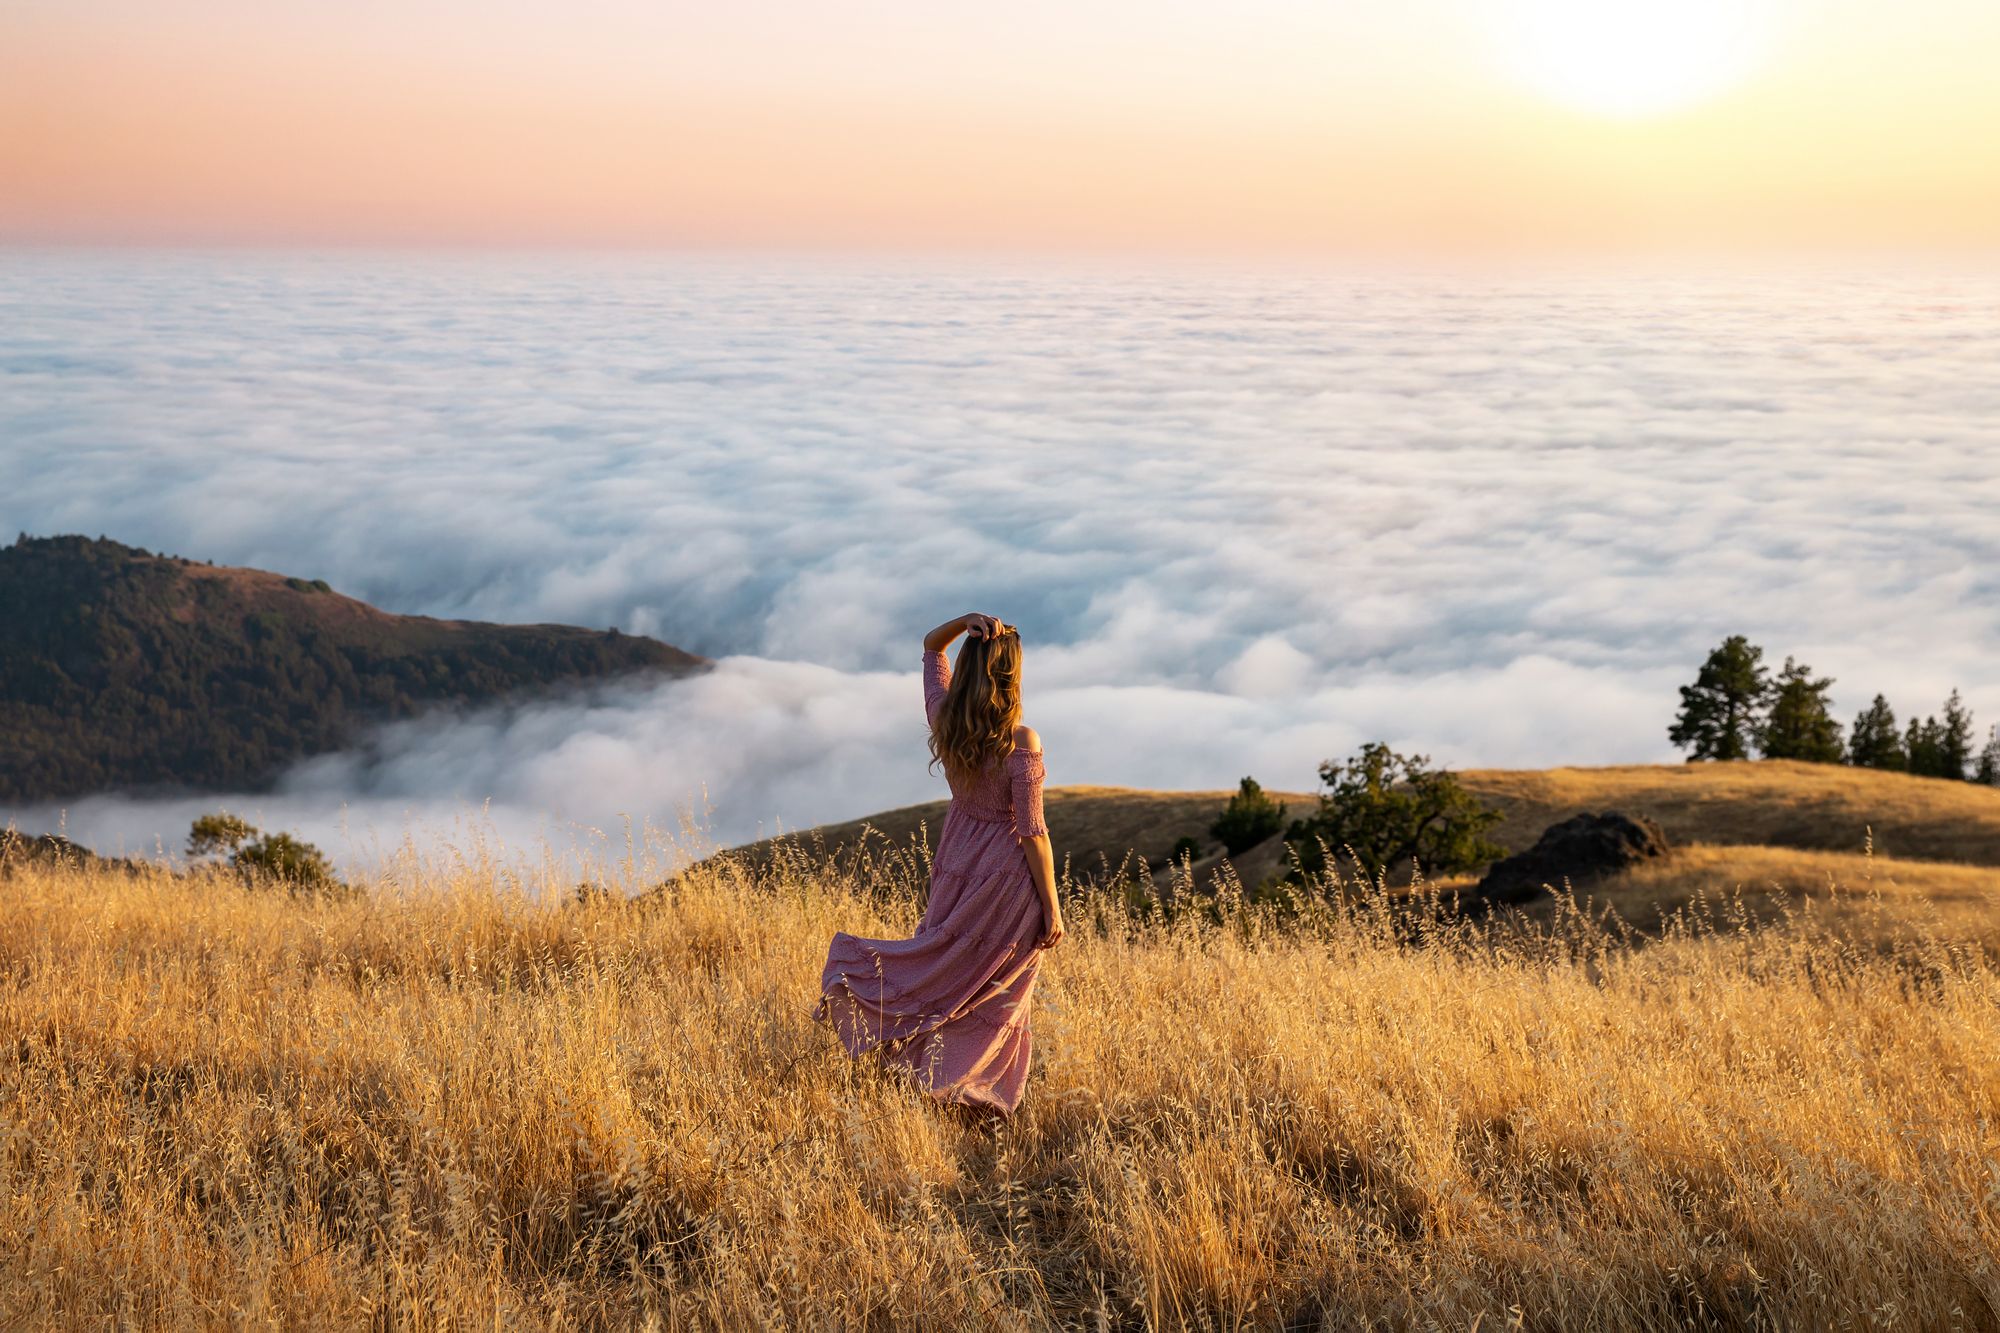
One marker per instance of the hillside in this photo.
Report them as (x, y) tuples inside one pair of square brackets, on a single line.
[(1789, 826), (121, 668)]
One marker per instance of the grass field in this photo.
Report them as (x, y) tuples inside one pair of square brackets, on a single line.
[(452, 1101)]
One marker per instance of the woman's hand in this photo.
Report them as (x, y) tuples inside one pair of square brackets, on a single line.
[(1052, 921), (972, 623)]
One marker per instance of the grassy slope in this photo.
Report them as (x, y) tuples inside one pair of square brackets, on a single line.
[(438, 1105), (1789, 830), (1776, 804)]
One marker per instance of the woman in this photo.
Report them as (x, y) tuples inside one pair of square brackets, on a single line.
[(950, 1004)]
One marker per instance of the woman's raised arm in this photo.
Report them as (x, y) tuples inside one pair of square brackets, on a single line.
[(972, 622)]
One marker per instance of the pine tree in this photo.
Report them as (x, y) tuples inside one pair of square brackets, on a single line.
[(1248, 819), (1924, 744), (1955, 739), (1875, 742), (1722, 710), (1798, 725), (1988, 771)]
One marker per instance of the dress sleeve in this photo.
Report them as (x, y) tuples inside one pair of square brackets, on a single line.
[(937, 676), (1025, 772)]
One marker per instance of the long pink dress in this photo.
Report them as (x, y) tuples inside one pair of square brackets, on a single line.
[(950, 1004)]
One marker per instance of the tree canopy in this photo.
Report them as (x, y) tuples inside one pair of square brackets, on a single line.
[(1248, 819), (1798, 724), (1875, 742), (1392, 811), (1722, 711)]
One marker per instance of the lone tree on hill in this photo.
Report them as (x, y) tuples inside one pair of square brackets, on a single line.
[(270, 858), (1248, 819), (1875, 742), (1721, 711), (1798, 725), (1390, 810)]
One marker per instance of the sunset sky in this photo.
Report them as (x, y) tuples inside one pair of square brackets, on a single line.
[(1259, 125)]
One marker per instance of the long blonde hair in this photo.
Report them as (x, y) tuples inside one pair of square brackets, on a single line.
[(982, 706)]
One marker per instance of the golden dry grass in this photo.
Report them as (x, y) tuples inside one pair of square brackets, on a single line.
[(1864, 897), (447, 1103)]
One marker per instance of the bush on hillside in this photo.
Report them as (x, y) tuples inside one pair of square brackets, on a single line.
[(262, 858), (1248, 819), (1388, 811)]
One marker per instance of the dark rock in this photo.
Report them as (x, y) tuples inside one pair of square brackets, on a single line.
[(1581, 850)]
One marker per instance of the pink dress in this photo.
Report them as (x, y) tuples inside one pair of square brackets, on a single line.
[(950, 1004)]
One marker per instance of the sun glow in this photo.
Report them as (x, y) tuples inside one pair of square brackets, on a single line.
[(1633, 57)]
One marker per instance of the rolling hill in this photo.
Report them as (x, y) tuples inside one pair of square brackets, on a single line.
[(1760, 828), (120, 668)]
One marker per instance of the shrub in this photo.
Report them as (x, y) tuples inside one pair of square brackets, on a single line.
[(1389, 810), (262, 858), (1188, 849), (219, 832), (1248, 819)]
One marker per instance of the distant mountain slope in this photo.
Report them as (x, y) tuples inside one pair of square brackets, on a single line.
[(1819, 807), (120, 668)]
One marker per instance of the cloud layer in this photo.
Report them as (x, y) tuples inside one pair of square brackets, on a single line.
[(1245, 519)]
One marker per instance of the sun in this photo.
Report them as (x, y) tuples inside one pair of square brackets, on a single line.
[(1632, 58)]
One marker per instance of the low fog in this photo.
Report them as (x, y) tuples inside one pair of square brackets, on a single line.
[(1244, 521)]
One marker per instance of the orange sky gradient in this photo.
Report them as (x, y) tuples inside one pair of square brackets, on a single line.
[(1248, 128)]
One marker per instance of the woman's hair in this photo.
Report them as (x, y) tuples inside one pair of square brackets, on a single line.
[(982, 706)]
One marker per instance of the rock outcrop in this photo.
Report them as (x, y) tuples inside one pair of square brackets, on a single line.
[(1580, 850)]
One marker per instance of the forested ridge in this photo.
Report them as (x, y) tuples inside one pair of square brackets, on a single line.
[(120, 668)]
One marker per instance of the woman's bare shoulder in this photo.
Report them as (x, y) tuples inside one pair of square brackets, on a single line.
[(1027, 738)]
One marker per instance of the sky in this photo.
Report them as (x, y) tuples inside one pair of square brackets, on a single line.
[(1259, 126)]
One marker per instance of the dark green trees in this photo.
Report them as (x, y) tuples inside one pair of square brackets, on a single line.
[(1798, 725), (1924, 744), (1875, 742), (1720, 711), (1942, 748), (1955, 740), (1734, 703), (1248, 819), (1988, 768), (1389, 810)]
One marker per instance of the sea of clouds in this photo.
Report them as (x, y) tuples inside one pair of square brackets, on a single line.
[(1246, 519)]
